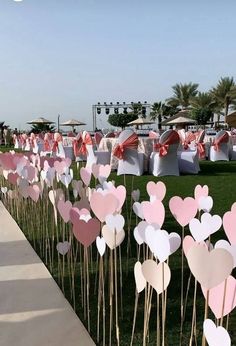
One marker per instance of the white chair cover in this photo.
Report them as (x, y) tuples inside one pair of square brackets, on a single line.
[(219, 151), (167, 164), (132, 162)]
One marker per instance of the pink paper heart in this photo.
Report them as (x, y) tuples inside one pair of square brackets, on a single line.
[(31, 172), (120, 193), (33, 192), (188, 242), (201, 191), (154, 212), (183, 210), (64, 209), (156, 189), (74, 215), (12, 178), (95, 170), (229, 224), (104, 172), (216, 297), (103, 205), (86, 232), (85, 174), (60, 167)]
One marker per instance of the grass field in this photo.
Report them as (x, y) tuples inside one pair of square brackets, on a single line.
[(221, 179)]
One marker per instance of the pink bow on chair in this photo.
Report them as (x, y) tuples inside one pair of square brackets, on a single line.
[(201, 150), (222, 139), (130, 143), (162, 148), (57, 139), (80, 144), (190, 137)]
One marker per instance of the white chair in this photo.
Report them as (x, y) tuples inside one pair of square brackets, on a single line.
[(164, 160), (130, 161), (85, 145), (219, 151), (188, 155)]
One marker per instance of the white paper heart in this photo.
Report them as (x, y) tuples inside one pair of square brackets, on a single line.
[(137, 208), (139, 278), (115, 222), (158, 243), (135, 195), (215, 336), (63, 248), (101, 245), (208, 225), (205, 203)]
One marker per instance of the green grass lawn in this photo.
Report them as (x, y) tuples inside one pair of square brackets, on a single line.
[(221, 179)]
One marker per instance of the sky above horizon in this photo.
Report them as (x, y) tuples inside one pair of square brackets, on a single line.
[(63, 56)]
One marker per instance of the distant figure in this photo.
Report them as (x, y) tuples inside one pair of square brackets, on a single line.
[(6, 136)]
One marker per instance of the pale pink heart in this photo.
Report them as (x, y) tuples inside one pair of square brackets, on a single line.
[(233, 208), (7, 162), (33, 192), (12, 178), (157, 275), (85, 174), (95, 170), (183, 210), (201, 191), (63, 248), (139, 278), (31, 172), (229, 224), (154, 212), (156, 189), (119, 192), (86, 232), (60, 167), (112, 239), (104, 172), (103, 205), (217, 300), (64, 209), (67, 161), (24, 191)]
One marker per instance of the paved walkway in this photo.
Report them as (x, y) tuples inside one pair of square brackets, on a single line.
[(33, 311)]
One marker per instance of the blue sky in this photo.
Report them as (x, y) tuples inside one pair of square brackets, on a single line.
[(62, 56)]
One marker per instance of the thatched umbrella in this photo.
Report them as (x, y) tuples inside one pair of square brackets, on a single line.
[(39, 121), (72, 123), (140, 121), (231, 119)]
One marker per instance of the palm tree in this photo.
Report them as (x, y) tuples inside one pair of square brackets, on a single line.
[(182, 95), (160, 110), (224, 94), (203, 107)]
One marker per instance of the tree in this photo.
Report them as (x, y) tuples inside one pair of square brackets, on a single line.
[(224, 94), (121, 119), (136, 109), (203, 107), (37, 128), (160, 110), (182, 95)]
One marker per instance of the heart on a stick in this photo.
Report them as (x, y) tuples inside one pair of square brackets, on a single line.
[(158, 190), (112, 239), (183, 210), (157, 275), (86, 232), (209, 268), (215, 336), (139, 278)]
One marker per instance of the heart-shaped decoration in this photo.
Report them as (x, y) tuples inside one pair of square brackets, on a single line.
[(229, 224), (33, 192), (157, 275), (60, 167), (209, 268), (95, 170), (223, 295), (115, 222), (188, 242), (158, 242), (201, 191), (183, 210), (175, 242), (64, 209), (66, 179), (112, 239), (139, 278), (156, 189), (83, 203), (215, 336), (63, 248), (86, 232), (4, 190), (85, 174), (104, 172), (135, 194), (101, 245), (202, 230), (137, 208), (154, 212), (103, 205), (12, 178), (224, 244), (205, 203)]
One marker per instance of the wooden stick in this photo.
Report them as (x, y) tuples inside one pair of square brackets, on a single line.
[(135, 315), (194, 313), (205, 316), (223, 304)]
